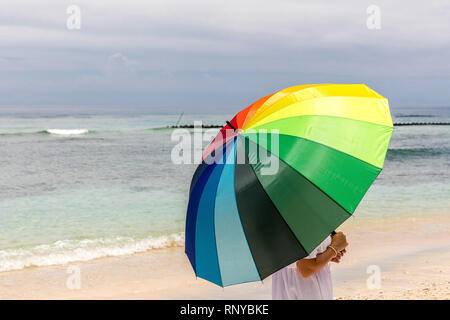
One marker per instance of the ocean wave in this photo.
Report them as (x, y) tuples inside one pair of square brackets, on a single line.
[(395, 154), (66, 251), (59, 132), (67, 132)]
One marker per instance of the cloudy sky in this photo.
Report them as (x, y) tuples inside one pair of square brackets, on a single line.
[(210, 54)]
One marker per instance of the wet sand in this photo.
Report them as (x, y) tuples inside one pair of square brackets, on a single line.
[(412, 255)]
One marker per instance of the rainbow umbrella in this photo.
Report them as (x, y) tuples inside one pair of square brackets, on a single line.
[(247, 216)]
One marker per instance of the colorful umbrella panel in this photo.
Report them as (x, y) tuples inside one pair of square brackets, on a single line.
[(327, 144)]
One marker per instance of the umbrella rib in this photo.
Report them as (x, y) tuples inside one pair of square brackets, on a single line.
[(224, 157), (334, 227), (291, 96), (303, 177), (261, 117), (232, 127), (316, 115), (329, 147), (264, 127), (282, 219)]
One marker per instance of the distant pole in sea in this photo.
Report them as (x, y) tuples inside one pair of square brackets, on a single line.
[(179, 119)]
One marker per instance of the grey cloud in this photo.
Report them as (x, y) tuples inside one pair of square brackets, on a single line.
[(219, 53)]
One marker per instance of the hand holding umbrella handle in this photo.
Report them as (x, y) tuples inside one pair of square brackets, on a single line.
[(332, 234)]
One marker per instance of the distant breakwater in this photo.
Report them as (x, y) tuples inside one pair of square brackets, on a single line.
[(191, 126), (422, 124)]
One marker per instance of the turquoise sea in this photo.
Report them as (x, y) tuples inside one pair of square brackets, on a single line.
[(76, 186)]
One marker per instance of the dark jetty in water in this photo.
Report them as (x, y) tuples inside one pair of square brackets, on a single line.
[(422, 124), (191, 126)]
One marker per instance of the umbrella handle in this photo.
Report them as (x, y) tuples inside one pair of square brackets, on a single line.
[(332, 234)]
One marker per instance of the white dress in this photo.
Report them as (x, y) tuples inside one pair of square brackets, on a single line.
[(289, 284)]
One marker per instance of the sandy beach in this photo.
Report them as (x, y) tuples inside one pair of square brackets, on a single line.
[(412, 254), (145, 142)]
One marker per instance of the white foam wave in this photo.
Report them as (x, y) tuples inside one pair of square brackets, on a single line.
[(65, 251), (67, 132)]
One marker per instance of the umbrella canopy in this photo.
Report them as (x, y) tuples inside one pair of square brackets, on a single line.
[(329, 142)]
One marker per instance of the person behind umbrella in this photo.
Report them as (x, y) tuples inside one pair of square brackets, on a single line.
[(310, 278)]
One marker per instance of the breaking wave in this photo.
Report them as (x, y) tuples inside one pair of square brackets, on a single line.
[(66, 251), (66, 132), (57, 132)]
